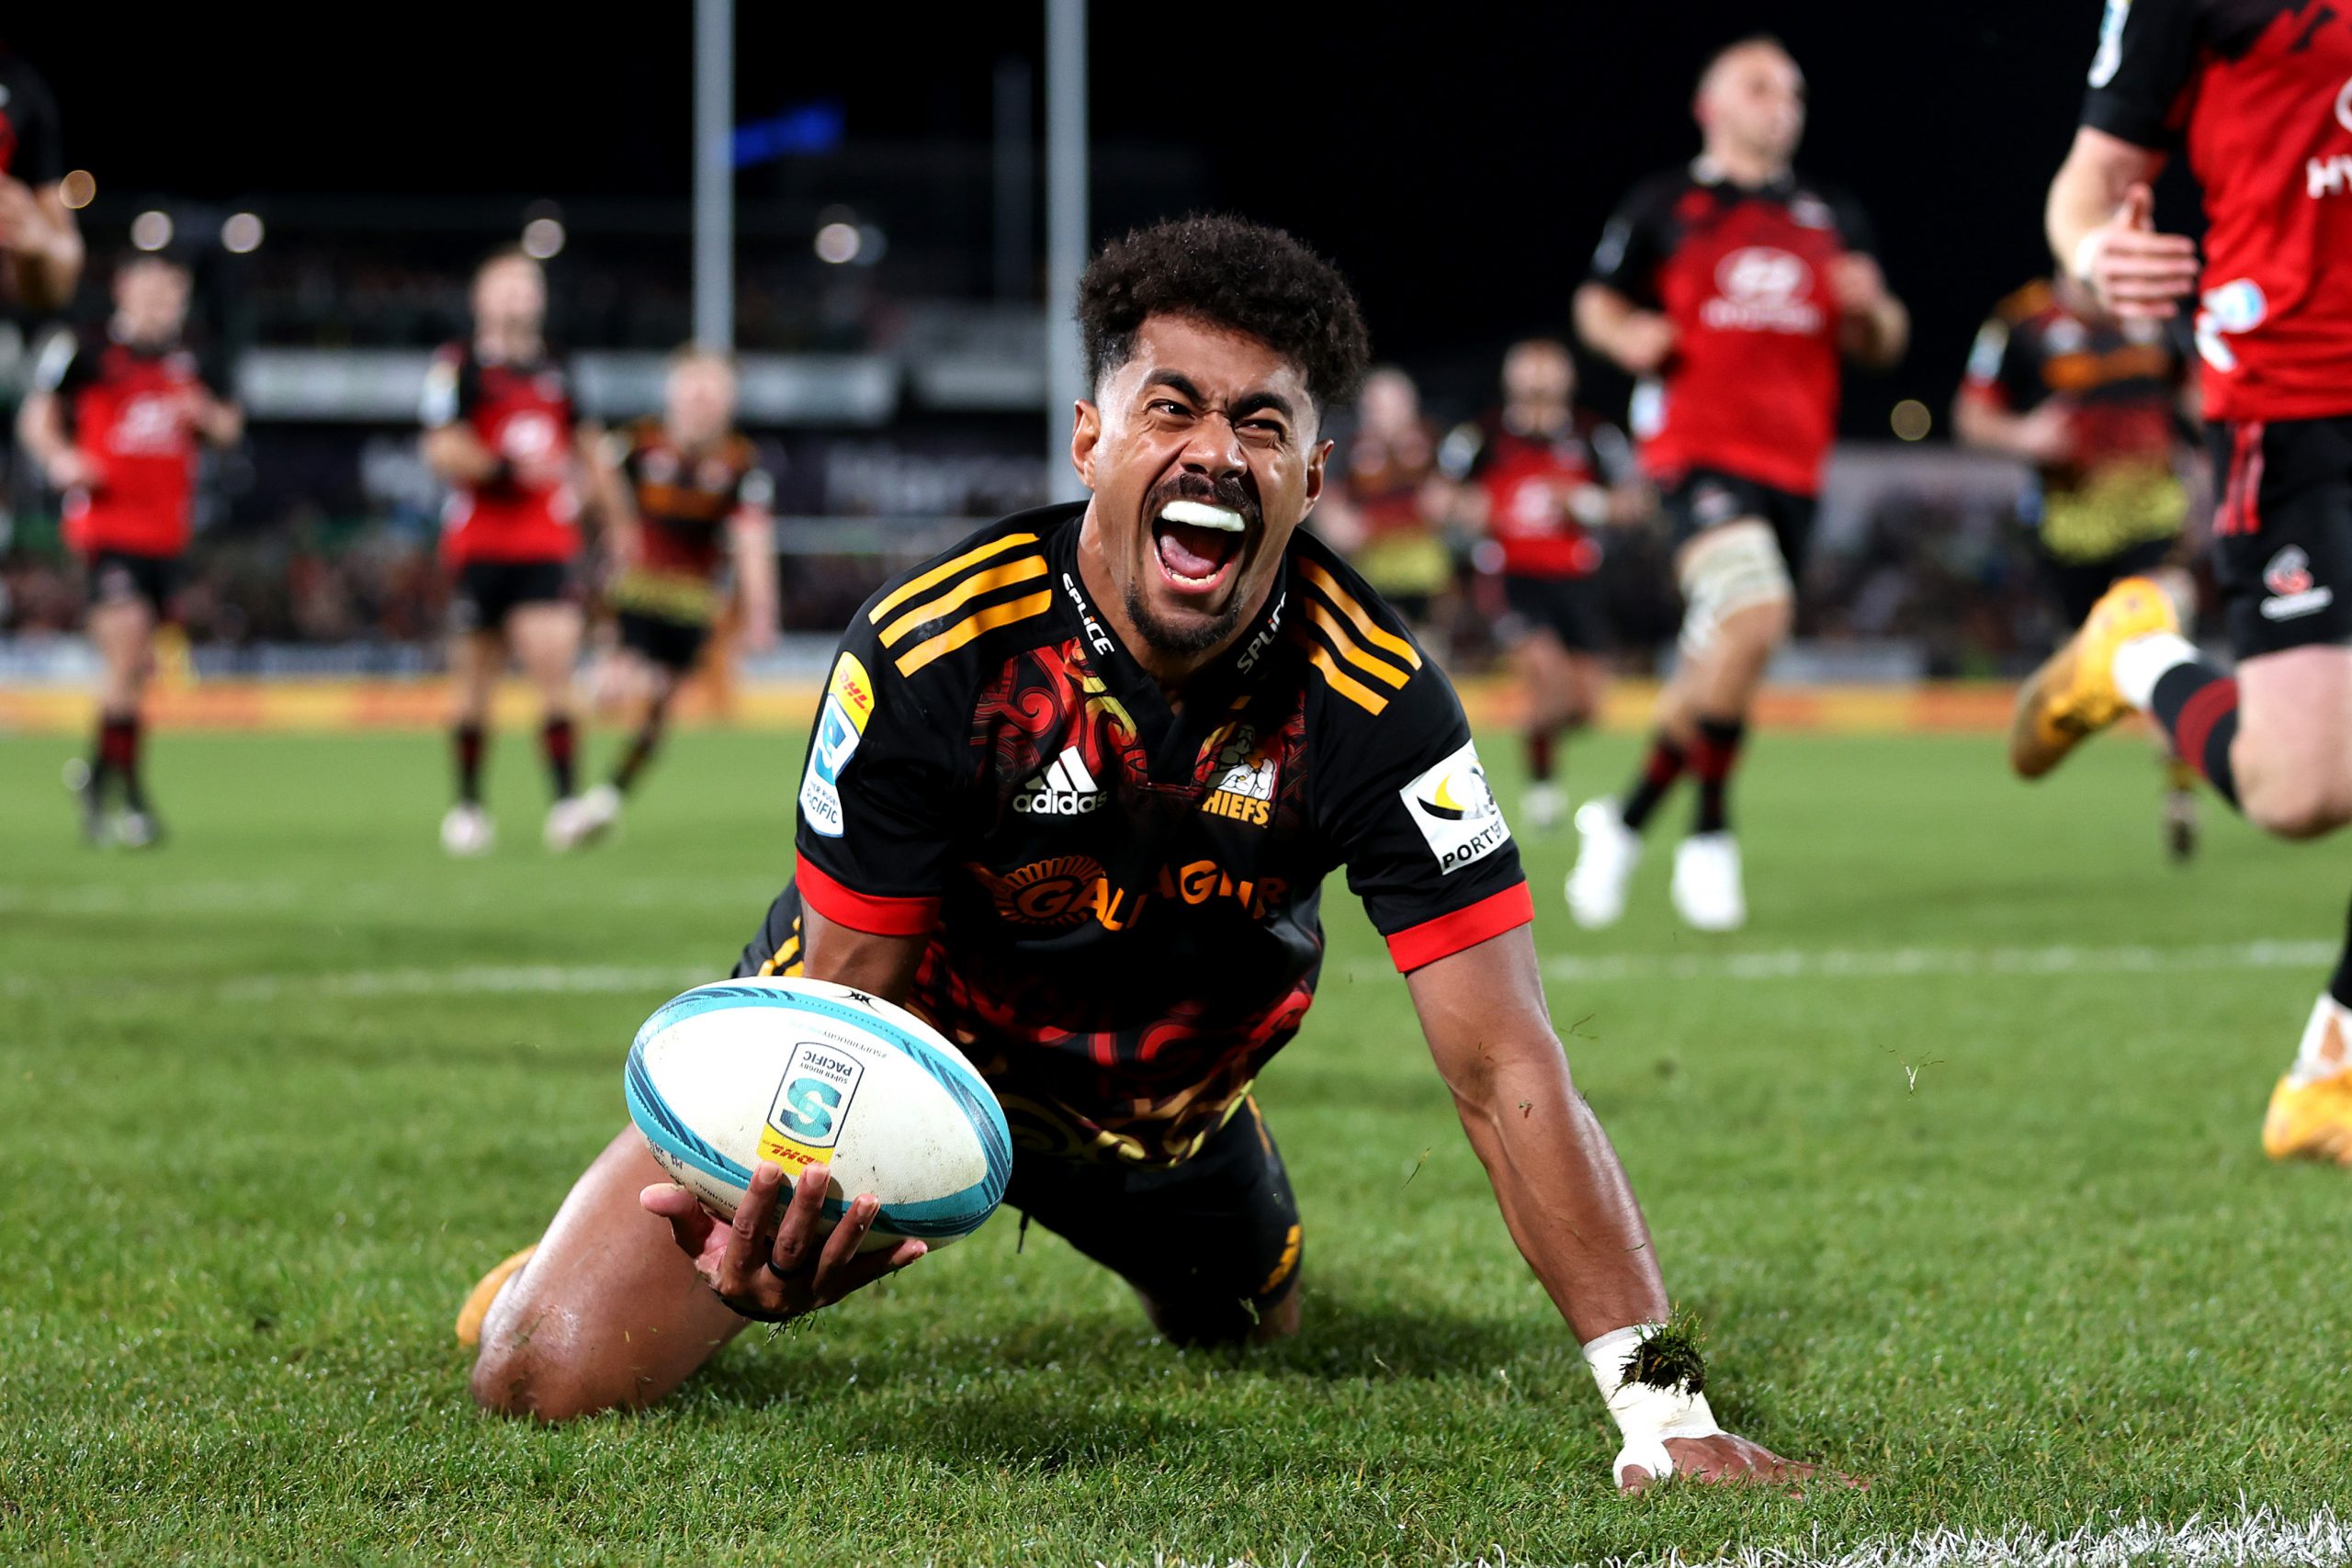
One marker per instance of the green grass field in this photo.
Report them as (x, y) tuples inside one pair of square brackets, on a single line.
[(1955, 1149)]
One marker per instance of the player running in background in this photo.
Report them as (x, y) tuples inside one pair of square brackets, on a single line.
[(1732, 288), (1534, 476), (499, 430), (115, 421), (1075, 789), (1383, 512), (2094, 403), (680, 496), (40, 242), (2255, 91)]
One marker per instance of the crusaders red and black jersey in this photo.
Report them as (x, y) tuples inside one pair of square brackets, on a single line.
[(1533, 481), (2119, 384), (130, 407), (684, 501), (1752, 386), (522, 413), (2260, 92), (1122, 898)]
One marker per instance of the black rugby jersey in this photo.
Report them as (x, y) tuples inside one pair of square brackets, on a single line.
[(1122, 899)]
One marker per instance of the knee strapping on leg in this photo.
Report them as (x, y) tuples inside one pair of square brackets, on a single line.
[(1727, 569)]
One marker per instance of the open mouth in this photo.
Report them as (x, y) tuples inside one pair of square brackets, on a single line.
[(1198, 544)]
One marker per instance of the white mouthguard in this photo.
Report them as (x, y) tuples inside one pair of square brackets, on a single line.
[(1201, 515)]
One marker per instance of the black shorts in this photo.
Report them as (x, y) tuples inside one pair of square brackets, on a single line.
[(673, 645), (487, 592), (119, 577), (1698, 499), (1213, 1241), (2283, 532), (2079, 583), (1569, 608)]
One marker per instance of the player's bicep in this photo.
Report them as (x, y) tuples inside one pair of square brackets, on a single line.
[(875, 799)]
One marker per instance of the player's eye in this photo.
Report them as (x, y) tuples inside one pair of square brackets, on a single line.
[(1169, 407)]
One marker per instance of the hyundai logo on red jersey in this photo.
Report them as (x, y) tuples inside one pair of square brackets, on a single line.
[(2290, 571), (1763, 288)]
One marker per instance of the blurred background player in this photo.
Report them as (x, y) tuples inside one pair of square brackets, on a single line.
[(1389, 500), (499, 430), (2094, 404), (680, 496), (1731, 288), (114, 421), (1534, 476), (41, 243), (2254, 90)]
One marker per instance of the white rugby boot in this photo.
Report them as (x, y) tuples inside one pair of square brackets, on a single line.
[(467, 831), (1707, 891), (582, 820), (1607, 852), (1544, 805)]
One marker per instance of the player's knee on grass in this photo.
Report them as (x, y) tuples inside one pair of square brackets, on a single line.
[(1229, 1320)]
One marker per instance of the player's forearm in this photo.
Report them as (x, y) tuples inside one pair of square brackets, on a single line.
[(1601, 314), (755, 573), (39, 430), (1980, 425), (48, 256), (1563, 1193), (223, 424), (1878, 336), (456, 456), (2099, 169)]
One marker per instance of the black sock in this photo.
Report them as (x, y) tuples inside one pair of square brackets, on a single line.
[(1660, 769), (2198, 706), (103, 751), (555, 741), (641, 747), (1539, 755), (2340, 985), (1713, 754), (122, 742), (467, 740)]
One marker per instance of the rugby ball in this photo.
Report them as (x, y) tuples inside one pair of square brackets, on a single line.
[(801, 1071)]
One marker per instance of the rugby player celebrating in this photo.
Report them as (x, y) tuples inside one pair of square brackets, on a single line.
[(2255, 91), (499, 430), (1073, 793), (1731, 288), (116, 421)]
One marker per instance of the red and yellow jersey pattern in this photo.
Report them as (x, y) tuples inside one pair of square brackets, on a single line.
[(1752, 386), (523, 412), (132, 410), (2259, 94), (685, 501), (1122, 898), (2120, 385)]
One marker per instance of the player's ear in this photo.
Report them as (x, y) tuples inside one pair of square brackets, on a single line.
[(1317, 456), (1086, 433)]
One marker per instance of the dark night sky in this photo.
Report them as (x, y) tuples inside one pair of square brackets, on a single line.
[(1456, 160)]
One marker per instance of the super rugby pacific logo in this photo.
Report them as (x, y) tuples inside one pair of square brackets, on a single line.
[(820, 1081)]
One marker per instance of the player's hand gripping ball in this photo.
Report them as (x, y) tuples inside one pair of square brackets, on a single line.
[(802, 1073)]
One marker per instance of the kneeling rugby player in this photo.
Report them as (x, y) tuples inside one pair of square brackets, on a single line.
[(1091, 756)]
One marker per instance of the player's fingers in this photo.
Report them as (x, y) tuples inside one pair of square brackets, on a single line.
[(841, 1247), (690, 1225), (795, 1246), (863, 1272), (746, 1244), (1633, 1479)]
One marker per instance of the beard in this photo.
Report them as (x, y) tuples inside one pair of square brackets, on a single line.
[(1184, 641)]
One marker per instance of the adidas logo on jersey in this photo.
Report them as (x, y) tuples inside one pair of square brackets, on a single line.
[(1063, 789)]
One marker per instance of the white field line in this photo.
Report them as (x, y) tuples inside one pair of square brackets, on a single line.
[(470, 980), (231, 898), (2247, 1537), (1898, 963)]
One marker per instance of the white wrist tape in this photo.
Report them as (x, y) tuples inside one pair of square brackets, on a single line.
[(2087, 254), (1645, 1416)]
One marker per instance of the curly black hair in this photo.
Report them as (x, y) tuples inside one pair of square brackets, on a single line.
[(1230, 273)]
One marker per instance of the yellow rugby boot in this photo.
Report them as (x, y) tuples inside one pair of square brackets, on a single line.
[(2072, 695), (2310, 1110), (485, 1291)]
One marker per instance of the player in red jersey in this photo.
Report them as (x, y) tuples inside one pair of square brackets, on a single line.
[(115, 421), (1536, 478), (2259, 94), (682, 496), (1074, 788), (2093, 403), (1732, 289), (40, 242), (499, 428)]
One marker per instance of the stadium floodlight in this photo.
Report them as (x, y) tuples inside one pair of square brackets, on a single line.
[(77, 189), (152, 231), (838, 242), (542, 238), (241, 234), (1911, 420)]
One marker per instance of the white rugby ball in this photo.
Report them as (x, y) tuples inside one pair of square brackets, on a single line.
[(801, 1071)]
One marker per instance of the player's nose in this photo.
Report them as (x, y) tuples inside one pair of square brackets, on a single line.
[(1212, 448)]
